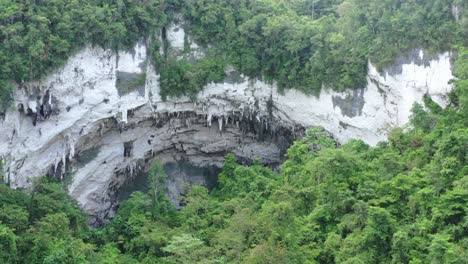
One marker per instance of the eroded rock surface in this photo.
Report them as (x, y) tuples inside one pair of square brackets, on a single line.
[(99, 120)]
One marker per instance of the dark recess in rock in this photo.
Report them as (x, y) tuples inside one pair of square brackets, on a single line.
[(233, 77), (343, 125), (128, 82), (86, 156), (181, 129), (128, 148), (351, 105), (407, 58)]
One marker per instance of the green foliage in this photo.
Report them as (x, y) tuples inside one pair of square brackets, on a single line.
[(308, 44), (421, 119), (8, 249), (237, 181), (181, 77), (303, 44), (6, 90), (51, 241), (185, 248), (403, 201), (109, 254), (459, 96), (129, 82), (41, 226), (37, 36), (157, 182)]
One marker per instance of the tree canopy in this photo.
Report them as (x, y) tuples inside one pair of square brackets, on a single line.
[(301, 44), (403, 201)]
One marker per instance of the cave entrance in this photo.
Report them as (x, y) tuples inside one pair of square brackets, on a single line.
[(181, 175)]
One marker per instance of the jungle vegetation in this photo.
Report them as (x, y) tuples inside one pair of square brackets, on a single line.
[(301, 44), (402, 201)]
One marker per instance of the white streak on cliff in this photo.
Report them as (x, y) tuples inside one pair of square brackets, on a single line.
[(88, 105)]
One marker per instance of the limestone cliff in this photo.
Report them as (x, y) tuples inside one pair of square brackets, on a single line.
[(99, 120)]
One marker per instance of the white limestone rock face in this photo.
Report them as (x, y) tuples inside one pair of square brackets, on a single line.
[(78, 96), (181, 44), (99, 120), (368, 113)]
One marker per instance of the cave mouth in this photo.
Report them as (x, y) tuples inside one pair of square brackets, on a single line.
[(191, 146), (181, 175), (196, 152)]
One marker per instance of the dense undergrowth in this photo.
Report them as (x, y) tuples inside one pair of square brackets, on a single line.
[(39, 36), (303, 44), (403, 201)]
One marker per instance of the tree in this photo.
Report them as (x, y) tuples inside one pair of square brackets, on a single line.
[(51, 240), (185, 248), (157, 181), (421, 119), (14, 216), (443, 251), (8, 249)]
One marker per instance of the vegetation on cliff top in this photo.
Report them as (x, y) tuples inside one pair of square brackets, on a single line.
[(403, 201), (299, 43)]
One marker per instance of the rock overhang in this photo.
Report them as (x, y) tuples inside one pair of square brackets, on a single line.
[(80, 109)]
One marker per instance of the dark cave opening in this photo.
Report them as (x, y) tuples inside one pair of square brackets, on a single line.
[(181, 175)]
